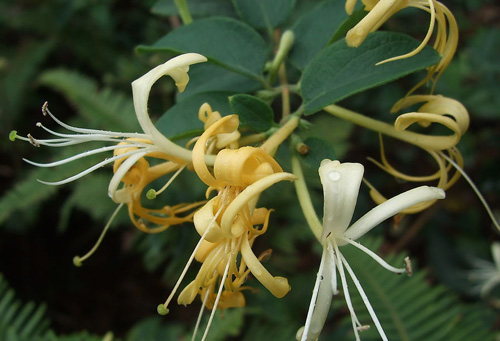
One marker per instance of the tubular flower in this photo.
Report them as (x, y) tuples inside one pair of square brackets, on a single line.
[(141, 174), (437, 109), (380, 11), (229, 223), (341, 182), (130, 149), (442, 148)]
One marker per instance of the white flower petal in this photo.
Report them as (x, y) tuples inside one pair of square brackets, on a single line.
[(321, 298), (177, 68), (341, 183), (391, 207)]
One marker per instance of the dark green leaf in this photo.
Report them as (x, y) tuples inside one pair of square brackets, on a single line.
[(197, 8), (182, 119), (347, 24), (208, 77), (253, 112), (340, 71), (314, 30), (224, 41), (264, 14), (319, 150)]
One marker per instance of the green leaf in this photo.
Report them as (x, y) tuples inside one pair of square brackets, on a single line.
[(224, 41), (347, 24), (152, 328), (197, 8), (319, 150), (314, 30), (181, 120), (264, 14), (208, 77), (226, 324), (252, 111), (340, 71)]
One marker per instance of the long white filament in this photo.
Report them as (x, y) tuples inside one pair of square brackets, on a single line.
[(219, 293), (198, 320), (474, 188), (375, 257), (347, 296), (364, 298), (188, 264), (319, 278)]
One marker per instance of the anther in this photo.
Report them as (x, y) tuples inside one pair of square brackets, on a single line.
[(38, 124), (408, 267), (33, 141), (44, 108), (363, 328), (302, 148)]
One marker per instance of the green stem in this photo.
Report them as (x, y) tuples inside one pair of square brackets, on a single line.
[(286, 43), (183, 9), (272, 143), (427, 142), (305, 199)]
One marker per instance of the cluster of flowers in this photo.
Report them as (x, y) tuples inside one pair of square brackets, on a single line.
[(229, 221)]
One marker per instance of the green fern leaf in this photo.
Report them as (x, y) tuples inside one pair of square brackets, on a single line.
[(28, 192), (20, 321), (107, 108)]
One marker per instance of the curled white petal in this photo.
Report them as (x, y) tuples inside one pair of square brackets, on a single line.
[(177, 68), (392, 207)]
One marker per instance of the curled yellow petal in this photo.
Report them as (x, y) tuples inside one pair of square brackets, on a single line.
[(244, 166), (437, 109), (247, 194), (227, 124), (277, 285)]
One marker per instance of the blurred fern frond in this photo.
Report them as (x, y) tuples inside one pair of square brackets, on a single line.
[(409, 308), (19, 321), (105, 107)]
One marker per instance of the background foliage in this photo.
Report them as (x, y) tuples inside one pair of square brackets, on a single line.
[(82, 56)]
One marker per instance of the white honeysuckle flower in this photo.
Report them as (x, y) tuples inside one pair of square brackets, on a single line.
[(486, 273), (136, 145), (341, 182)]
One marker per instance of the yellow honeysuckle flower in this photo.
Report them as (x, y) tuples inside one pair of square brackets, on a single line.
[(341, 182), (435, 109), (229, 223), (445, 42)]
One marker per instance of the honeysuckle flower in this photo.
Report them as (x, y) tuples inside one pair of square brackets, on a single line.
[(381, 10), (131, 150), (485, 273), (150, 141), (229, 223), (341, 182), (436, 109)]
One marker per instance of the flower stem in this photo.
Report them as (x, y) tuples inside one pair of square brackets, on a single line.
[(285, 45), (183, 9), (272, 143), (421, 140), (305, 199)]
